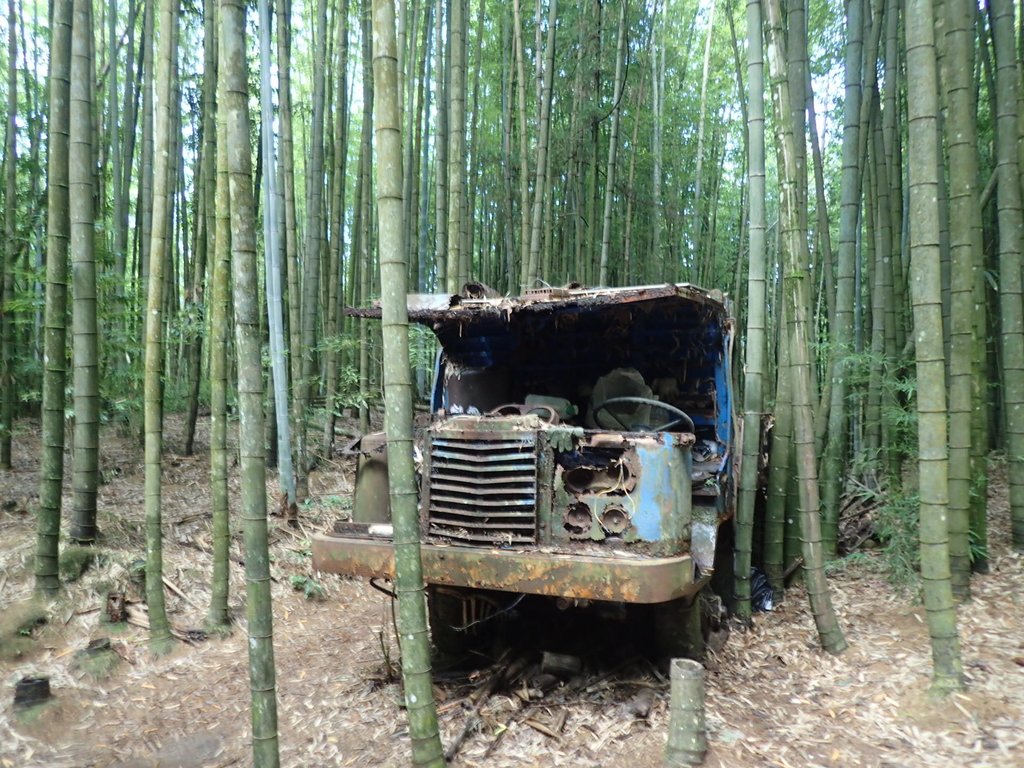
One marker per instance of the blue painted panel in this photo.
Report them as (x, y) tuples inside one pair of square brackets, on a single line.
[(723, 385), (653, 494), (438, 396)]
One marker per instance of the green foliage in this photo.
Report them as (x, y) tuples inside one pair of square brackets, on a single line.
[(896, 526), (121, 398), (422, 349), (176, 395), (32, 715), (330, 507), (977, 549), (337, 502), (24, 307), (899, 409), (389, 665), (299, 556), (853, 560), (18, 625), (347, 395), (896, 517), (188, 325), (121, 367), (308, 586), (898, 404), (137, 574), (97, 661), (75, 561)]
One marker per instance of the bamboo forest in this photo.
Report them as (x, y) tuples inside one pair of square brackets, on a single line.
[(504, 383)]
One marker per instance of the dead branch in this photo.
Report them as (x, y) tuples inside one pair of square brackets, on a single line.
[(483, 694), (177, 590)]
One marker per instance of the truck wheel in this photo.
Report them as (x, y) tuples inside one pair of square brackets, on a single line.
[(461, 623), (677, 629), (445, 612)]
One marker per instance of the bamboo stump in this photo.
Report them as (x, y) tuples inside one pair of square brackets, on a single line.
[(687, 736), (30, 691)]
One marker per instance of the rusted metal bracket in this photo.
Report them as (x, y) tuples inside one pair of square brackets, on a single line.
[(590, 577)]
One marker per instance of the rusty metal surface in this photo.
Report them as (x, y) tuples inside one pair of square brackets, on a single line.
[(632, 580), (481, 491), (627, 489), (500, 493), (431, 308), (371, 501)]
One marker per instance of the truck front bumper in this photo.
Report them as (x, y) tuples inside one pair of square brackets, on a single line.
[(624, 579)]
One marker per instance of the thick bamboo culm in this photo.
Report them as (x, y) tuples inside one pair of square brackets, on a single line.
[(687, 737)]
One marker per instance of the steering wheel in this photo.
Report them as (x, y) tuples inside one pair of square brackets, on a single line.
[(546, 413), (679, 416)]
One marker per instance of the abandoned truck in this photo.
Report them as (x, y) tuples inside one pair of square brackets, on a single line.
[(579, 449)]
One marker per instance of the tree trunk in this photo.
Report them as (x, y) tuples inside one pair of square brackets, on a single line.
[(753, 367), (456, 142), (398, 415), (889, 454), (832, 469), (593, 79), (35, 253), (894, 78), (779, 504), (871, 427), (627, 229), (1011, 223), (85, 456), (205, 220), (524, 161), (422, 129), (409, 61), (286, 174), (613, 145), (961, 135), (272, 255), (441, 150), (311, 257), (121, 158), (825, 267), (51, 473), (696, 232), (363, 221), (8, 352), (657, 107), (473, 176), (145, 204), (337, 239), (220, 338), (252, 460), (795, 277), (926, 284), (160, 632), (540, 187), (796, 71)]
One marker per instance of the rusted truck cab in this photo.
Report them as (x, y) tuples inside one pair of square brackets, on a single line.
[(580, 447)]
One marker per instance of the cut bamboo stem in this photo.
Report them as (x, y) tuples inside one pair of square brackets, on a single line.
[(687, 734)]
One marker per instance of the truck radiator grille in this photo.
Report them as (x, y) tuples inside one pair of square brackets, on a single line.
[(483, 491)]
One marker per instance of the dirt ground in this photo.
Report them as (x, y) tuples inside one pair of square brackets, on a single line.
[(773, 697)]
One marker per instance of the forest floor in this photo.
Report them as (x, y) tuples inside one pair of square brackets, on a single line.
[(773, 697)]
